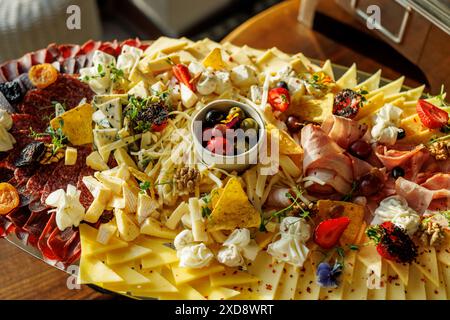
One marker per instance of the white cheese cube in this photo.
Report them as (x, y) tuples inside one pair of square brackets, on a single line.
[(188, 98), (95, 161), (243, 76), (145, 207), (139, 90), (122, 157), (70, 156), (128, 230), (94, 211), (123, 172), (196, 68), (157, 87), (223, 82), (113, 183), (255, 94), (106, 231), (296, 87)]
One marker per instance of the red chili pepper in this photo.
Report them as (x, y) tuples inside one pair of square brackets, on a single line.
[(431, 116), (279, 99), (182, 74), (329, 231)]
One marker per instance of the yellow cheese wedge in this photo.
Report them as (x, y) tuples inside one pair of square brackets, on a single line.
[(269, 272), (371, 84), (271, 63), (185, 292), (307, 289), (428, 264), (409, 95), (379, 293), (443, 251), (93, 270), (436, 292), (129, 275), (370, 107), (357, 290), (165, 45), (349, 78), (231, 277), (445, 271), (332, 293), (389, 89), (401, 269), (395, 289), (158, 65), (288, 283), (327, 68), (415, 290), (90, 246), (369, 256), (214, 293), (155, 228), (184, 275), (127, 254)]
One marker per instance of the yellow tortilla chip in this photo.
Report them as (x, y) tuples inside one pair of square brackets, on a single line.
[(233, 210), (287, 145), (345, 209), (214, 60), (315, 110), (215, 196), (76, 124)]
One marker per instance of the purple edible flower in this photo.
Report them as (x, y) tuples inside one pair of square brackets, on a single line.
[(327, 276)]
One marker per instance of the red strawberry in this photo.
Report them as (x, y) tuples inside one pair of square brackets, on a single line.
[(329, 231), (393, 243), (431, 116)]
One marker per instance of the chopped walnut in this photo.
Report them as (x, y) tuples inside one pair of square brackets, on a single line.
[(186, 179), (50, 156), (431, 233), (440, 150)]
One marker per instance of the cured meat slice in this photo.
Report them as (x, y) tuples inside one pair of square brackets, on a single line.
[(10, 70), (39, 56), (89, 46), (42, 242), (392, 158), (86, 197), (35, 225), (25, 63), (418, 197), (343, 131), (68, 51), (37, 182), (23, 122), (19, 216), (59, 242)]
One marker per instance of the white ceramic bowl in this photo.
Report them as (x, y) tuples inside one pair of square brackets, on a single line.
[(237, 162)]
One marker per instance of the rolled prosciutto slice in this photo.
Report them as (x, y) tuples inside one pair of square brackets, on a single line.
[(418, 197)]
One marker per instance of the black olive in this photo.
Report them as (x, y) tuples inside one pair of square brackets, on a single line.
[(398, 172), (31, 153), (282, 84), (12, 91), (401, 133), (213, 117)]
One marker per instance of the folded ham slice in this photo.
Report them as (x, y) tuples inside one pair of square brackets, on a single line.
[(344, 131), (418, 197), (327, 167), (392, 158)]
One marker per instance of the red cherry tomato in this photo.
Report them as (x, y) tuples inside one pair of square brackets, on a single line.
[(279, 99), (329, 231), (159, 127), (431, 116)]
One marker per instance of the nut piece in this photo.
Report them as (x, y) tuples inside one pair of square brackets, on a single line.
[(440, 150), (50, 156), (187, 179), (430, 233)]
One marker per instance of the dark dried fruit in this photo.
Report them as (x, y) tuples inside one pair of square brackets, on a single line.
[(398, 172), (12, 91), (370, 184), (347, 103), (294, 124), (30, 154), (360, 149)]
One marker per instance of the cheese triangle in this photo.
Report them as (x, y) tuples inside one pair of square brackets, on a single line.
[(415, 290), (428, 264), (401, 269)]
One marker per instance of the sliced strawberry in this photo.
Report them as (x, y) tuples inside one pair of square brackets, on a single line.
[(279, 99), (329, 231), (159, 127), (181, 72), (431, 116), (347, 103)]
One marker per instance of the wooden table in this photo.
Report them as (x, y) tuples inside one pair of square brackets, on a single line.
[(278, 27), (22, 276)]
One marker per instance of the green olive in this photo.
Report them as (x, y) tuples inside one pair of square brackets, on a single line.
[(249, 123), (237, 110)]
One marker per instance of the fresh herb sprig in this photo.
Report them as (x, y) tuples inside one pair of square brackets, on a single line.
[(58, 138), (349, 196), (146, 185)]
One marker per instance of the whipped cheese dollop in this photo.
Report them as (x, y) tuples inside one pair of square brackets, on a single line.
[(6, 139), (191, 254), (396, 210), (69, 210), (238, 247), (291, 248), (386, 123)]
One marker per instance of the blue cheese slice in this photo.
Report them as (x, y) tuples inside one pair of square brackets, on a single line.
[(113, 111), (103, 137), (101, 119)]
